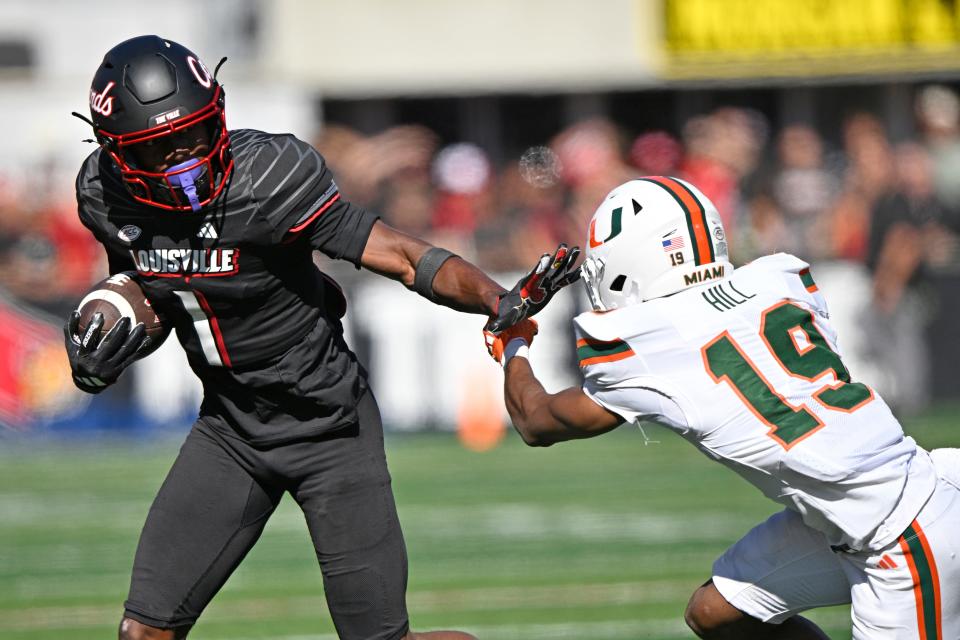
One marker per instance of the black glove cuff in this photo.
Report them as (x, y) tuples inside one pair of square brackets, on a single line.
[(90, 384), (427, 268)]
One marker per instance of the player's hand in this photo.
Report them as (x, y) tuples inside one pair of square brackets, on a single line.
[(497, 343), (96, 363), (534, 290)]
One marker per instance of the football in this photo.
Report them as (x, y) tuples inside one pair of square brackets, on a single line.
[(121, 296)]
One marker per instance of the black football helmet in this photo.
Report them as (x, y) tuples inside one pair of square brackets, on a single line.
[(159, 113)]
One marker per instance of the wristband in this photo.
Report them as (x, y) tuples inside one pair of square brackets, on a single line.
[(426, 270), (515, 348)]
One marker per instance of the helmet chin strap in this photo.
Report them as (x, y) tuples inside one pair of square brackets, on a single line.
[(185, 180)]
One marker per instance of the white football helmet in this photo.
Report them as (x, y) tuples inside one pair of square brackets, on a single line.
[(649, 238)]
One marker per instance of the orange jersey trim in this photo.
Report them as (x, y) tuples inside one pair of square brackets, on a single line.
[(597, 351)]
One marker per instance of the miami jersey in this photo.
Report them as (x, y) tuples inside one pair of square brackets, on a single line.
[(749, 371)]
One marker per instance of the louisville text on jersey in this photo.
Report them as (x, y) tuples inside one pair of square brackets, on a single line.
[(179, 262)]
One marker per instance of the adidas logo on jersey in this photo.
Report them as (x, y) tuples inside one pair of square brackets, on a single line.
[(207, 231)]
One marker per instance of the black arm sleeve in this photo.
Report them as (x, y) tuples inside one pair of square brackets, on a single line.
[(342, 231)]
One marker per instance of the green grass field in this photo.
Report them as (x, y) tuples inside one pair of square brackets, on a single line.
[(594, 540)]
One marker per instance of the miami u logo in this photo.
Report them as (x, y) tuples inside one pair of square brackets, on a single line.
[(615, 225), (615, 228)]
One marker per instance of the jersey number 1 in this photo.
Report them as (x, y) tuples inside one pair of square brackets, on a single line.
[(207, 328), (783, 327)]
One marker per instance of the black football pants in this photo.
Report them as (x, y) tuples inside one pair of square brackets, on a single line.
[(218, 496)]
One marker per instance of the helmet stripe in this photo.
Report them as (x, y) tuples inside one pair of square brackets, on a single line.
[(696, 217), (699, 221)]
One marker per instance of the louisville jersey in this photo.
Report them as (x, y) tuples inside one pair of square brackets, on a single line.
[(238, 282), (748, 370)]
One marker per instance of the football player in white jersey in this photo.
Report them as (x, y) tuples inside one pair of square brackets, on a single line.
[(744, 364)]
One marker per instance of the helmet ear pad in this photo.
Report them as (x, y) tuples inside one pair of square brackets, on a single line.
[(652, 237)]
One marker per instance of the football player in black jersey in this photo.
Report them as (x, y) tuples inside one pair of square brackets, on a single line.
[(220, 226)]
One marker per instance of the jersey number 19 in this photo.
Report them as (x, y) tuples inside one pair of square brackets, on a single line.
[(798, 346)]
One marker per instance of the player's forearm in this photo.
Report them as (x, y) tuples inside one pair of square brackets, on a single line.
[(543, 418), (434, 273), (462, 286), (524, 396)]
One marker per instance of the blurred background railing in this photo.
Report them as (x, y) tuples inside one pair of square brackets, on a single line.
[(828, 130)]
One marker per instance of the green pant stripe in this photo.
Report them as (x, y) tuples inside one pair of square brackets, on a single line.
[(928, 595)]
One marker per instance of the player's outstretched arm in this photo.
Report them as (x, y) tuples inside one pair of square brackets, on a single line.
[(450, 280), (539, 417), (434, 273)]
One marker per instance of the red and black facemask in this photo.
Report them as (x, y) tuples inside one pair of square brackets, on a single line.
[(179, 165)]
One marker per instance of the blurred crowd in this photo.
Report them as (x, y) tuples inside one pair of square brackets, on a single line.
[(891, 205), (47, 258)]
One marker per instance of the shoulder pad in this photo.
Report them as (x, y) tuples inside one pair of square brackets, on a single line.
[(289, 179), (782, 262), (795, 274), (245, 141)]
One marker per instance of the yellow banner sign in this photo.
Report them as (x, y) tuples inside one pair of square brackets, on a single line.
[(711, 38)]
